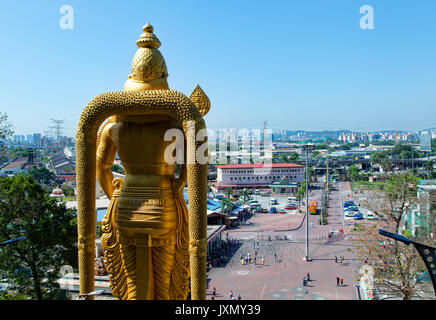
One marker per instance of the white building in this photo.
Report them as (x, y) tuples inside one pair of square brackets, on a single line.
[(257, 176)]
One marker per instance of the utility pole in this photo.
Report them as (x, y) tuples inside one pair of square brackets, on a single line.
[(307, 147), (58, 130), (327, 175), (413, 160)]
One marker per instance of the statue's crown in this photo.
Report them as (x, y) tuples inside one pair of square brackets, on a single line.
[(148, 39), (148, 63)]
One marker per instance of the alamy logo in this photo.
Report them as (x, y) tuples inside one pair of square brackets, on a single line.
[(67, 20), (367, 20)]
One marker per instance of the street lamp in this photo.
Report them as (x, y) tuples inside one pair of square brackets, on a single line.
[(307, 148)]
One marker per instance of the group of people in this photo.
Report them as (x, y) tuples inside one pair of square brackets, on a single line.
[(247, 258), (231, 295), (220, 255), (341, 258)]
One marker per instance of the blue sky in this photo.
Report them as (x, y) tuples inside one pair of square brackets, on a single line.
[(297, 64)]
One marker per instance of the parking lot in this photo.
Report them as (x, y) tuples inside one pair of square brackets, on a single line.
[(282, 202)]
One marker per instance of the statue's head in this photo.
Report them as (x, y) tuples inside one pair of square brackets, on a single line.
[(149, 70)]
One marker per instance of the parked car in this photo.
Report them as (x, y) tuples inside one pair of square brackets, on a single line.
[(351, 213), (291, 207), (264, 210), (351, 208), (273, 210), (358, 216), (273, 201), (349, 204), (371, 216), (282, 211)]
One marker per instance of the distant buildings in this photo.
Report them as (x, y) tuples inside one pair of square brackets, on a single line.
[(376, 136), (37, 140)]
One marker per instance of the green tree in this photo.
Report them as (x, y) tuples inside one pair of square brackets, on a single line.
[(428, 165), (68, 191), (244, 195), (284, 158), (394, 263), (228, 192), (226, 205), (294, 157), (301, 191), (353, 172), (42, 175), (50, 232)]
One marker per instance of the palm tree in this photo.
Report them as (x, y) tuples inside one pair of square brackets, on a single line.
[(226, 205), (228, 191), (244, 195)]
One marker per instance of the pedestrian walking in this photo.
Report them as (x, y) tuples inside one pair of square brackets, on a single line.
[(249, 257), (308, 276), (304, 281), (336, 259), (255, 253), (212, 298), (239, 297), (342, 281), (231, 294), (337, 281), (263, 261), (242, 261), (254, 260), (241, 255), (214, 291), (342, 258), (275, 257)]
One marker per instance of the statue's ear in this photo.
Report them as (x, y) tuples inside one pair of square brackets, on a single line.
[(200, 100)]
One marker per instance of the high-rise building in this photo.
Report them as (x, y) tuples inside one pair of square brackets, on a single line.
[(425, 141), (37, 139)]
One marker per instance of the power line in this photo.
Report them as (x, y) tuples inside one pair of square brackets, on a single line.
[(58, 129)]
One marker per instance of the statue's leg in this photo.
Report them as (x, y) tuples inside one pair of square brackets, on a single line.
[(163, 263), (144, 273), (129, 255), (139, 269)]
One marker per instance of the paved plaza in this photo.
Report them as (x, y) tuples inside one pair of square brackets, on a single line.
[(282, 278)]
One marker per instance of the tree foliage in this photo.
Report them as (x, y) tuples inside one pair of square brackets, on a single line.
[(244, 195), (50, 232), (395, 264)]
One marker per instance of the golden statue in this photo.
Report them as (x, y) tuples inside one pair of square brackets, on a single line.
[(153, 245)]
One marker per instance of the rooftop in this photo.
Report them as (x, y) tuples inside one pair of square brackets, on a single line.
[(265, 165)]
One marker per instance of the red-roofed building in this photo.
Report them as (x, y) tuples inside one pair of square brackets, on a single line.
[(257, 176)]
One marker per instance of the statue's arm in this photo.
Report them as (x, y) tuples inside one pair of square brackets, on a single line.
[(105, 158)]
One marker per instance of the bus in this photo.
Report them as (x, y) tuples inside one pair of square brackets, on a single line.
[(312, 207)]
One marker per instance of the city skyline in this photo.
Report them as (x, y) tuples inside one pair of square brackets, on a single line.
[(318, 70)]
